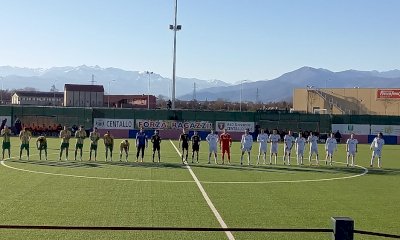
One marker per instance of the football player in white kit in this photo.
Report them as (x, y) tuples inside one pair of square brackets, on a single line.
[(246, 143), (330, 147), (212, 140), (313, 141), (376, 146), (351, 149), (288, 145), (300, 145), (262, 138), (274, 138)]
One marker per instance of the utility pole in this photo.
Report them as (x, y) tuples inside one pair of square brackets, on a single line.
[(148, 89), (54, 92), (92, 81), (257, 97), (194, 92), (109, 92)]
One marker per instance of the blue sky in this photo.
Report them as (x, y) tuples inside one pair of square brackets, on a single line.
[(230, 40)]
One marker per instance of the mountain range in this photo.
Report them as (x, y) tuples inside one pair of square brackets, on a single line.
[(137, 82), (114, 80), (281, 88)]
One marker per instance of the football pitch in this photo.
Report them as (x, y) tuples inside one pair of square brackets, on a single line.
[(169, 194)]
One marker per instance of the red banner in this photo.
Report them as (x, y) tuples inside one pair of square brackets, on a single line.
[(388, 94)]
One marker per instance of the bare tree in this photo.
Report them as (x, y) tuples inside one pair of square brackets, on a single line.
[(53, 88), (28, 89)]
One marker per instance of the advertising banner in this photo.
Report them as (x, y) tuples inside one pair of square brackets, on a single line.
[(391, 94), (234, 126), (173, 124), (359, 129), (392, 130), (109, 123)]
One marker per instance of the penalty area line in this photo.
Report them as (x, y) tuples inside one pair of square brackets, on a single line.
[(206, 197)]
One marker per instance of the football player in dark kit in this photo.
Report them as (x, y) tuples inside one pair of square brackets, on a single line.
[(195, 145), (156, 140), (141, 143), (184, 138)]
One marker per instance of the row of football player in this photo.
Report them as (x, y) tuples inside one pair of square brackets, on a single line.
[(224, 139), (312, 140), (225, 142), (94, 136)]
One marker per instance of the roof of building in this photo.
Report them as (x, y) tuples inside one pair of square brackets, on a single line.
[(83, 88), (39, 94)]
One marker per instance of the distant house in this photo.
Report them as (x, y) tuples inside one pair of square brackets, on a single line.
[(76, 95), (130, 101), (37, 98)]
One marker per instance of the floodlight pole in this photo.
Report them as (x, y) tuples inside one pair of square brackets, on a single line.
[(241, 92), (148, 89), (54, 93), (109, 92), (241, 95), (174, 28)]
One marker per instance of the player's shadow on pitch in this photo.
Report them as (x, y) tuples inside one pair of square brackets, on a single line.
[(384, 171), (284, 169), (67, 164), (165, 165)]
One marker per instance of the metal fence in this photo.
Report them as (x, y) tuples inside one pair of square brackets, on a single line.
[(342, 229), (267, 119)]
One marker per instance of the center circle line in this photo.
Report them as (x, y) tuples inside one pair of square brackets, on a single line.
[(184, 181)]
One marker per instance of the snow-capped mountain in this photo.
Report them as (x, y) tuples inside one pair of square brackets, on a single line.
[(119, 81), (282, 87), (115, 80)]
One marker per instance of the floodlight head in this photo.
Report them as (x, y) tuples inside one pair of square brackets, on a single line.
[(171, 27), (178, 27)]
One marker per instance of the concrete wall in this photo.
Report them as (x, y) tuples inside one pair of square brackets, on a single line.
[(83, 99)]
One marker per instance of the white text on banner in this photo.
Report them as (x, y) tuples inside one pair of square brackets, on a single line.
[(173, 124), (109, 123), (360, 129), (234, 126), (391, 130)]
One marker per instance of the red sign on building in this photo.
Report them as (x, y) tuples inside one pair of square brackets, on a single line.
[(393, 94)]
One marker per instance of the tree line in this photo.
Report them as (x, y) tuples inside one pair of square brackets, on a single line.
[(224, 105)]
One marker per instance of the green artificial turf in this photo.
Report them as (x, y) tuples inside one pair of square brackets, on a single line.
[(76, 193)]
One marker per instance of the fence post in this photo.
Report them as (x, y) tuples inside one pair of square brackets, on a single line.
[(343, 228)]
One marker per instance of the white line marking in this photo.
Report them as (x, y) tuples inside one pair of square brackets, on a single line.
[(183, 181), (298, 181), (208, 200), (88, 177)]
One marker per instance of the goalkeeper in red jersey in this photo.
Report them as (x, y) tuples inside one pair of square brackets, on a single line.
[(225, 143)]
